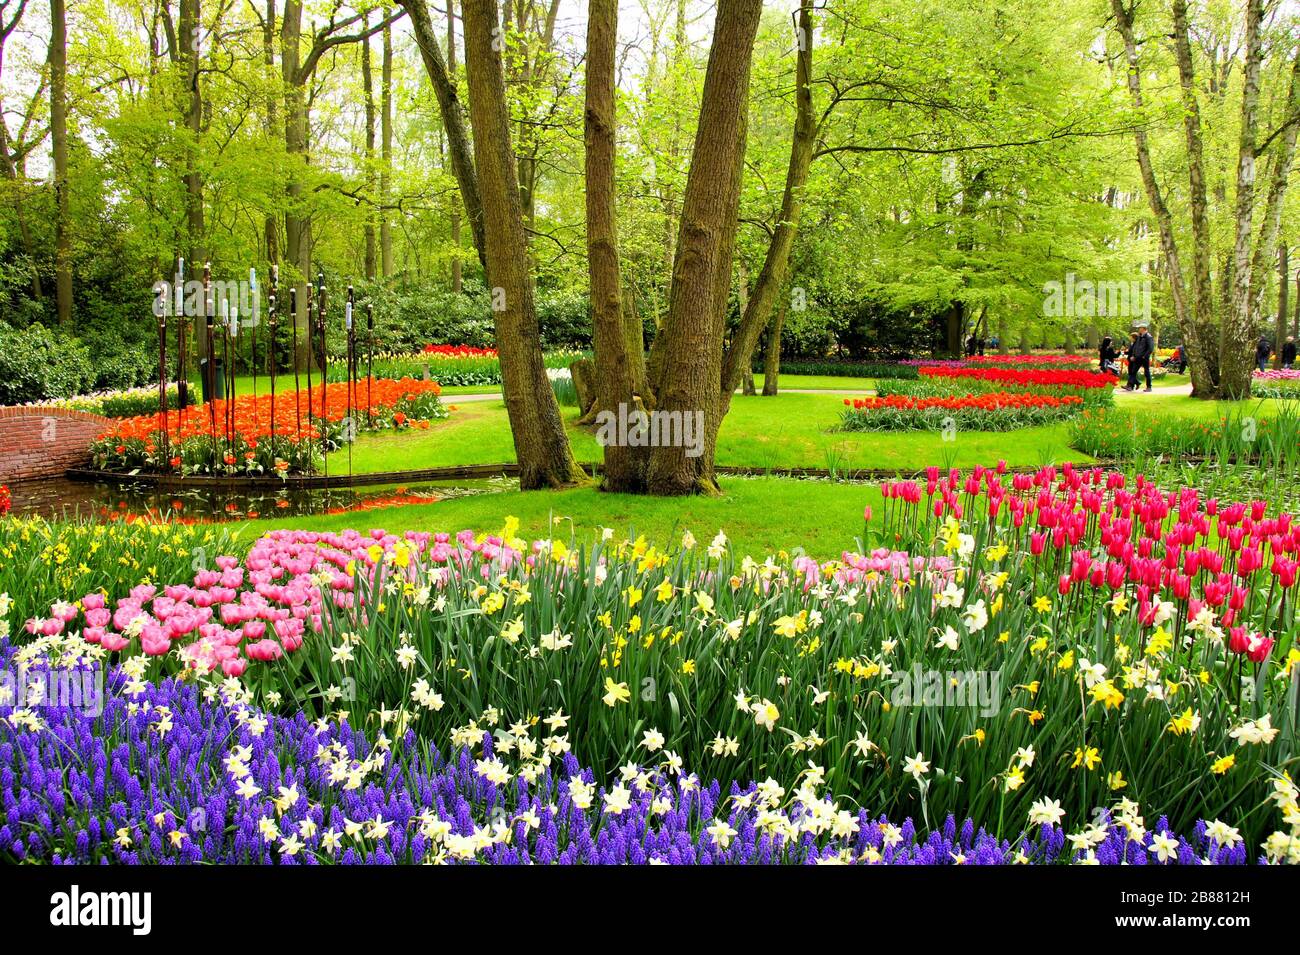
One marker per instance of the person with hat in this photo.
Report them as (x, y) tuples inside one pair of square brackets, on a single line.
[(1139, 358)]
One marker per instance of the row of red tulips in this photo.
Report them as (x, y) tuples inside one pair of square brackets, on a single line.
[(1097, 529), (984, 411)]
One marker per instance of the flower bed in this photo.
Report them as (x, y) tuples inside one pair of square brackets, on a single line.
[(214, 779), (1012, 361), (201, 440), (1281, 383), (458, 351), (123, 403), (990, 411), (451, 365), (1025, 377), (43, 562), (1271, 440), (1066, 636), (1095, 388)]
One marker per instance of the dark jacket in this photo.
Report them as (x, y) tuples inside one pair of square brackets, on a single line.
[(1263, 350), (1108, 351), (1142, 348), (1288, 352)]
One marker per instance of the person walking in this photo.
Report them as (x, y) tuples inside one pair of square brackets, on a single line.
[(1288, 352), (1263, 351), (1139, 358)]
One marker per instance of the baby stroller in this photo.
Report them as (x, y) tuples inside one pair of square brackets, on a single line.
[(1176, 362)]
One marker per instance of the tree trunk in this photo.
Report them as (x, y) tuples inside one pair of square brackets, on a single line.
[(772, 357), (10, 169), (746, 372), (368, 85), (954, 329), (541, 444), (692, 363), (1202, 247), (297, 224), (1267, 246), (771, 278), (1295, 327), (615, 380), (191, 26), (1283, 290), (457, 268), (270, 230), (444, 87), (386, 154), (59, 137), (1198, 351), (1237, 331)]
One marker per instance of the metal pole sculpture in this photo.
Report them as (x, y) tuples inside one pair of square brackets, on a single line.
[(311, 360), (370, 361), (352, 376), (324, 368), (231, 351), (162, 307), (209, 368), (271, 322), (182, 333), (252, 352), (297, 386)]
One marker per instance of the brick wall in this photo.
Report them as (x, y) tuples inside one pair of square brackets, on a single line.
[(38, 442)]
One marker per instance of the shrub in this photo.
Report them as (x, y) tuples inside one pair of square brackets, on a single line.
[(36, 363)]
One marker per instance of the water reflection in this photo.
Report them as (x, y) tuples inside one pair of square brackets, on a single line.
[(61, 497)]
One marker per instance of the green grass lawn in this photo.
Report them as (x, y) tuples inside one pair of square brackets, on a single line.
[(821, 382), (759, 515), (786, 431)]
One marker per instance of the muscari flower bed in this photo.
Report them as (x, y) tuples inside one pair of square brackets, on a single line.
[(170, 771)]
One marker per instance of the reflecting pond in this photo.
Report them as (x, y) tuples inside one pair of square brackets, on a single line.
[(62, 497)]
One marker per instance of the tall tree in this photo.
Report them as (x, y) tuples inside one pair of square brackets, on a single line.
[(616, 379), (386, 154), (456, 267), (12, 154), (1218, 331), (59, 136), (368, 86), (541, 444), (689, 379), (191, 51), (771, 279), (1237, 330), (270, 226), (453, 119), (297, 71)]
